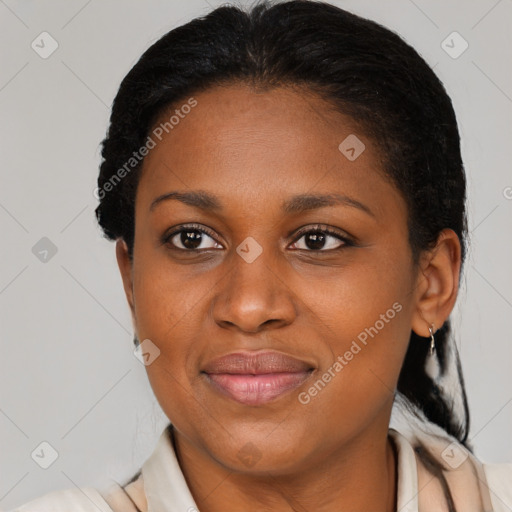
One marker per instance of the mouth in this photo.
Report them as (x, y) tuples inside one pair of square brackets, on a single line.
[(256, 378)]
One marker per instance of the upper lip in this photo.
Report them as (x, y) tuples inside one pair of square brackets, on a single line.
[(257, 363)]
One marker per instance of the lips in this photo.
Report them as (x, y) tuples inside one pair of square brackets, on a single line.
[(255, 378)]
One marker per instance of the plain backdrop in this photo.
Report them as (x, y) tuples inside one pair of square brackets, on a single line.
[(68, 373)]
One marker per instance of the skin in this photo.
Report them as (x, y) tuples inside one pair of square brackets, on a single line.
[(254, 150)]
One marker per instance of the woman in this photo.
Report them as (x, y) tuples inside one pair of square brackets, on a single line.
[(286, 192)]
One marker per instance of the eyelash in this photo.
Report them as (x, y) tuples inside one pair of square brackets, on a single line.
[(319, 228)]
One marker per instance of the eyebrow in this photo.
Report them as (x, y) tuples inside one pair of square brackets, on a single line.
[(297, 204), (305, 202)]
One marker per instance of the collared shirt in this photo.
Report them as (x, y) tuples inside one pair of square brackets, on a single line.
[(161, 486)]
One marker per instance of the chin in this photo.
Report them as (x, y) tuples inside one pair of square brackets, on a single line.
[(259, 453)]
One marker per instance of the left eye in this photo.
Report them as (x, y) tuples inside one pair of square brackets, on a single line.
[(320, 240)]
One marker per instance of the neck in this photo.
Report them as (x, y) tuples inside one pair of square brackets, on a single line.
[(359, 477)]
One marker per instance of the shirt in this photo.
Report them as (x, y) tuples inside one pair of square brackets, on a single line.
[(424, 459)]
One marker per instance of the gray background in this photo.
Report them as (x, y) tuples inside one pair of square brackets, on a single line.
[(68, 374)]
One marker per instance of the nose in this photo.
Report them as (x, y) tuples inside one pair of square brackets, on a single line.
[(254, 296)]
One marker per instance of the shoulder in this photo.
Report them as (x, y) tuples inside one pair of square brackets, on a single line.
[(110, 498), (430, 452), (130, 498), (86, 499), (499, 481)]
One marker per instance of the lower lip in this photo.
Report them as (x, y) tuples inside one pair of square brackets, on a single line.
[(256, 389)]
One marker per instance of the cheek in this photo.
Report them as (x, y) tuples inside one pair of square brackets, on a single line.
[(170, 308), (365, 294), (164, 295), (368, 314)]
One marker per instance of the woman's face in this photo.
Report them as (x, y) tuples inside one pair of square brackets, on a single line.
[(264, 174)]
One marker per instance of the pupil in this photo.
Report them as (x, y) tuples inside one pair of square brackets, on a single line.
[(315, 240), (191, 239)]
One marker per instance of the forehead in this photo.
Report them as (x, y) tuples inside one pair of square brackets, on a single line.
[(264, 144)]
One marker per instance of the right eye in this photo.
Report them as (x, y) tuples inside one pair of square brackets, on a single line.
[(191, 238)]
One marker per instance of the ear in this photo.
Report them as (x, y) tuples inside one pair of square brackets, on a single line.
[(437, 283), (126, 269)]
